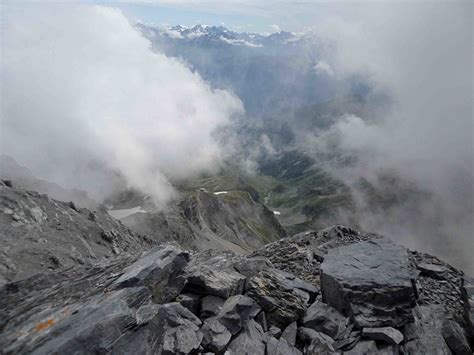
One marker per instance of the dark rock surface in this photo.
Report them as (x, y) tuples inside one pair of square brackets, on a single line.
[(387, 334), (278, 295), (371, 282), (172, 301), (455, 338), (323, 318)]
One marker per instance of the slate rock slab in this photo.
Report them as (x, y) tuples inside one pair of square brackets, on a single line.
[(387, 334), (250, 341), (424, 336), (206, 280), (236, 312), (323, 318), (455, 338), (160, 271), (215, 335), (371, 282), (282, 296)]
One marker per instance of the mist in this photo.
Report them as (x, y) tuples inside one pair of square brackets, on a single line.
[(420, 56), (87, 103)]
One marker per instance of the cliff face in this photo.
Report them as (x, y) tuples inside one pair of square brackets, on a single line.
[(329, 292)]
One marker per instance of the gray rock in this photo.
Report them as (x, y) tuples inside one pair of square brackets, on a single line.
[(160, 271), (252, 266), (468, 304), (323, 318), (169, 329), (424, 335), (362, 348), (205, 280), (236, 312), (370, 281), (190, 301), (179, 329), (210, 306), (276, 292), (80, 327), (250, 341), (432, 270), (215, 335), (347, 343), (455, 338), (387, 334), (281, 347), (274, 331), (261, 319), (315, 340), (289, 334)]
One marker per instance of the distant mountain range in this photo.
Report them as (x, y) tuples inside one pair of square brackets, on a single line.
[(272, 75)]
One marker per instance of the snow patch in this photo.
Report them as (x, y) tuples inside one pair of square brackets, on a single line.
[(276, 212), (118, 214), (239, 42), (220, 192)]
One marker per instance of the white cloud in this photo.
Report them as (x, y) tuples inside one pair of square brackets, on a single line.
[(323, 68), (421, 55), (84, 95), (275, 28)]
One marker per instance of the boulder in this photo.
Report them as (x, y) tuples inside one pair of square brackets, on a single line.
[(424, 335), (432, 270), (252, 266), (236, 312), (387, 334), (274, 331), (323, 318), (160, 271), (261, 319), (250, 341), (205, 280), (215, 335), (363, 347), (281, 347), (455, 338), (210, 306), (181, 333), (80, 327), (468, 304), (289, 334), (280, 295), (371, 282), (190, 301), (315, 341)]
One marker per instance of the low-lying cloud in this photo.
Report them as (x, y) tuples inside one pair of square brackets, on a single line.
[(420, 54), (87, 103)]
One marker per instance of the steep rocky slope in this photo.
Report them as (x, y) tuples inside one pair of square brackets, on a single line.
[(337, 291), (39, 234), (228, 220)]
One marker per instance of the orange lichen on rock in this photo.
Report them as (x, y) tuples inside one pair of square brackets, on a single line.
[(44, 325)]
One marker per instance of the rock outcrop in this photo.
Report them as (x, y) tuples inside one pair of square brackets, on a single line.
[(342, 292)]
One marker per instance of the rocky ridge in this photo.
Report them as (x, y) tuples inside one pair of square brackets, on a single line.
[(336, 291)]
